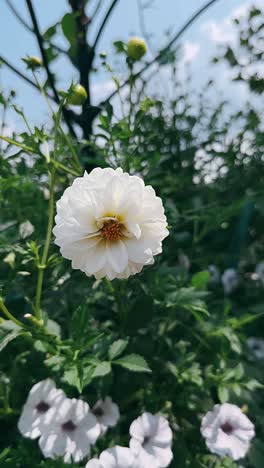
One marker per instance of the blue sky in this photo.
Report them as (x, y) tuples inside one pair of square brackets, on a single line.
[(199, 43)]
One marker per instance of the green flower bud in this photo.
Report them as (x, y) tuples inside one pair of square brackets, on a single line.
[(33, 62), (136, 48), (34, 320), (77, 95)]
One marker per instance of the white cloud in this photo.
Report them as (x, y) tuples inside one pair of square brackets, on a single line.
[(7, 130), (101, 91), (224, 31), (241, 10), (220, 33), (190, 51)]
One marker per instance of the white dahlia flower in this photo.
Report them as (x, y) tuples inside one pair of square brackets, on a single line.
[(230, 280), (227, 431), (116, 457), (41, 405), (107, 413), (151, 439), (109, 224), (71, 432)]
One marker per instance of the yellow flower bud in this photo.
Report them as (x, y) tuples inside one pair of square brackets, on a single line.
[(136, 48), (33, 62)]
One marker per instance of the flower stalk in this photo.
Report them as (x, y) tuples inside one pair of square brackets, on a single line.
[(43, 263), (8, 314)]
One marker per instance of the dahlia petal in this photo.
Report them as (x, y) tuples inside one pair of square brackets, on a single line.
[(134, 229), (138, 252), (117, 255)]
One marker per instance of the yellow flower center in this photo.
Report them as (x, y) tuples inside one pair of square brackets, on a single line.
[(112, 230)]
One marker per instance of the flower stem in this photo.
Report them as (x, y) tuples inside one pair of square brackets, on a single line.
[(9, 315), (130, 99), (43, 92), (43, 263), (57, 123), (64, 168)]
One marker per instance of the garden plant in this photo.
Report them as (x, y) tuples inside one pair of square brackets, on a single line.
[(132, 257)]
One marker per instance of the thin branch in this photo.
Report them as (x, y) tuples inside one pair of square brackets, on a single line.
[(46, 63), (42, 50), (108, 13), (141, 19), (147, 36), (18, 16), (27, 26), (69, 112), (192, 19), (97, 8), (20, 74), (84, 56)]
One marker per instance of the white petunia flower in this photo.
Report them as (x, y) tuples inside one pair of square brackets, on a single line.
[(71, 432), (260, 272), (214, 274), (257, 346), (151, 439), (230, 280), (116, 457), (41, 405), (227, 431), (109, 224), (107, 413), (26, 229)]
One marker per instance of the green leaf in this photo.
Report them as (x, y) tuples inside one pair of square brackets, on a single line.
[(236, 388), (223, 394), (147, 104), (173, 369), (53, 328), (239, 371), (71, 377), (49, 33), (8, 325), (253, 384), (133, 362), (230, 57), (87, 375), (68, 25), (189, 299), (254, 12), (55, 362), (102, 369), (200, 279), (9, 331), (117, 348), (104, 122), (120, 47)]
